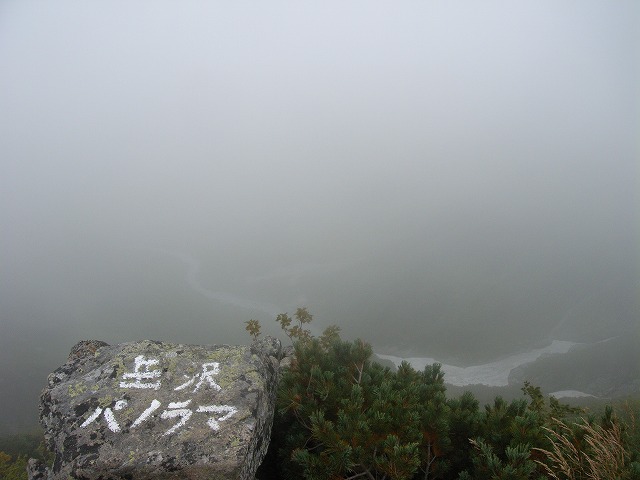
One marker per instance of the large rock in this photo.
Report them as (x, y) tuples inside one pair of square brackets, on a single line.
[(151, 410)]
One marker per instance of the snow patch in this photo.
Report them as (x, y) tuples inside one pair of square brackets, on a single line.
[(570, 394), (494, 374)]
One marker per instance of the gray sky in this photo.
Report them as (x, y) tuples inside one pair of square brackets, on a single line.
[(415, 171)]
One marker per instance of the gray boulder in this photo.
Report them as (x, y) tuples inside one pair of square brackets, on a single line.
[(152, 410)]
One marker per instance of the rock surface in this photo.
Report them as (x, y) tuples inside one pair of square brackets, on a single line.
[(151, 410)]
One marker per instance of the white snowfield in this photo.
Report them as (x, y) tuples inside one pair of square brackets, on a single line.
[(494, 374), (570, 394)]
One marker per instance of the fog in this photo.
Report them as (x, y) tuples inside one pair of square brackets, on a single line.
[(450, 180)]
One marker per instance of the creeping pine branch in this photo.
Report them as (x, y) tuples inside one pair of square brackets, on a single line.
[(301, 420), (311, 449), (357, 475), (366, 472), (310, 378), (360, 369), (431, 457)]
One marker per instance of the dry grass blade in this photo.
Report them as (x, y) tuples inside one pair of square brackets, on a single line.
[(604, 458), (608, 456), (565, 457)]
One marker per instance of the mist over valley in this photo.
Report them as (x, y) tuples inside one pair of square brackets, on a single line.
[(449, 183)]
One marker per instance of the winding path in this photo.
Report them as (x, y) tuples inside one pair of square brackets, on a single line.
[(192, 278)]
